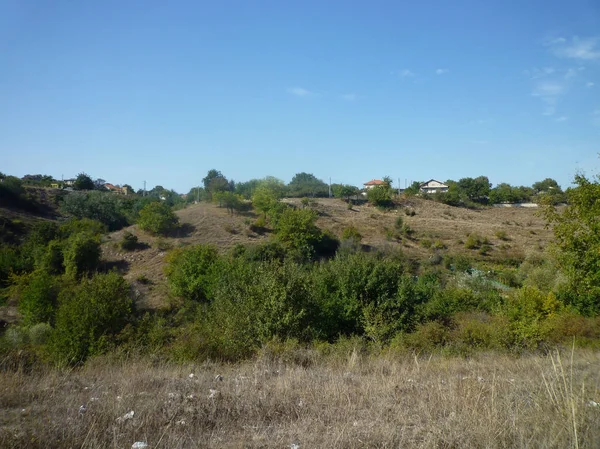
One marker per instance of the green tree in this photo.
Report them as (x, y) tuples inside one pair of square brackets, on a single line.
[(475, 189), (413, 189), (83, 182), (306, 184), (192, 272), (157, 218), (380, 196), (297, 231), (344, 191), (267, 194), (577, 232)]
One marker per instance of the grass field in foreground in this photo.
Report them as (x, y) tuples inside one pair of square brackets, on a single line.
[(344, 400)]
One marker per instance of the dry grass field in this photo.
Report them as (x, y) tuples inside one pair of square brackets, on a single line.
[(343, 400), (521, 229)]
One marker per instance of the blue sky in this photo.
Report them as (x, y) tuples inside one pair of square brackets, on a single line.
[(353, 90)]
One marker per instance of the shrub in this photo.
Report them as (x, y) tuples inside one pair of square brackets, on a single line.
[(89, 316), (111, 210), (81, 255), (501, 235), (40, 333), (158, 218), (37, 299), (351, 233), (192, 272), (473, 241), (129, 241)]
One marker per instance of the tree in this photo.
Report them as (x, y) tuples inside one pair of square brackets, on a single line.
[(214, 181), (83, 182), (37, 300), (344, 191), (297, 231), (306, 184), (546, 186), (577, 232), (267, 194), (413, 189), (380, 196), (157, 218), (475, 189)]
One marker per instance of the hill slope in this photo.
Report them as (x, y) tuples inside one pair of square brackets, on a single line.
[(511, 232)]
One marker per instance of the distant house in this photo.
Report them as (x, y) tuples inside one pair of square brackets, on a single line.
[(433, 186), (117, 189), (69, 182), (373, 183)]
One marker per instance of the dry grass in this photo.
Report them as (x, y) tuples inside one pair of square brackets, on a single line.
[(347, 401)]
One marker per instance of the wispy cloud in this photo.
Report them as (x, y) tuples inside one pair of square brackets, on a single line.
[(441, 71), (590, 84), (561, 119), (406, 73), (586, 49), (300, 92), (348, 97), (549, 91)]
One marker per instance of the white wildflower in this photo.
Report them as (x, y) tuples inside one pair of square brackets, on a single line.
[(139, 445), (213, 393), (127, 416)]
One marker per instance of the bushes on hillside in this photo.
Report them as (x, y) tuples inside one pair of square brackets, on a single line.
[(158, 218)]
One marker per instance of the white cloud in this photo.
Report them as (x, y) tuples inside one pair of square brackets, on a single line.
[(348, 97), (590, 84), (405, 73), (585, 49), (561, 119), (299, 92), (441, 71), (547, 89)]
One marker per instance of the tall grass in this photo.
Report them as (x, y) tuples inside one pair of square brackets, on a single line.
[(338, 396)]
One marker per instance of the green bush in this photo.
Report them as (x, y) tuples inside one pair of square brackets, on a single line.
[(89, 316), (193, 272), (157, 218), (473, 241), (351, 233), (81, 255), (129, 241), (37, 298)]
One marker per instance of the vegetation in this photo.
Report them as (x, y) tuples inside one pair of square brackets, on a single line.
[(157, 218)]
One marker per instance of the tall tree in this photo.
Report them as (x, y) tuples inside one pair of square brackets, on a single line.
[(83, 182), (307, 184)]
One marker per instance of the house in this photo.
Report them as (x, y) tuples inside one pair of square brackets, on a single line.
[(433, 186), (373, 183), (117, 189), (69, 182)]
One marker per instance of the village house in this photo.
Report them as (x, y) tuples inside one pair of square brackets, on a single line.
[(373, 183), (433, 186)]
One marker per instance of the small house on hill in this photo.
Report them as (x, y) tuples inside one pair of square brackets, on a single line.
[(433, 186), (373, 183)]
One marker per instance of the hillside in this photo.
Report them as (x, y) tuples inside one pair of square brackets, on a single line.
[(521, 230)]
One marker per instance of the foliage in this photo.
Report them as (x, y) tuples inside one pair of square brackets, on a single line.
[(351, 233), (81, 255), (192, 272), (115, 211), (158, 218), (344, 191), (306, 184), (380, 196), (83, 182), (413, 189), (232, 201), (297, 231), (37, 298), (266, 195), (577, 233), (89, 316), (129, 241)]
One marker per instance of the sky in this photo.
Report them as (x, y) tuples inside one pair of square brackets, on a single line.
[(162, 92)]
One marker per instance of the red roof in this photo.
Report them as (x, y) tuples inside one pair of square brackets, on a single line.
[(109, 186), (374, 182)]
